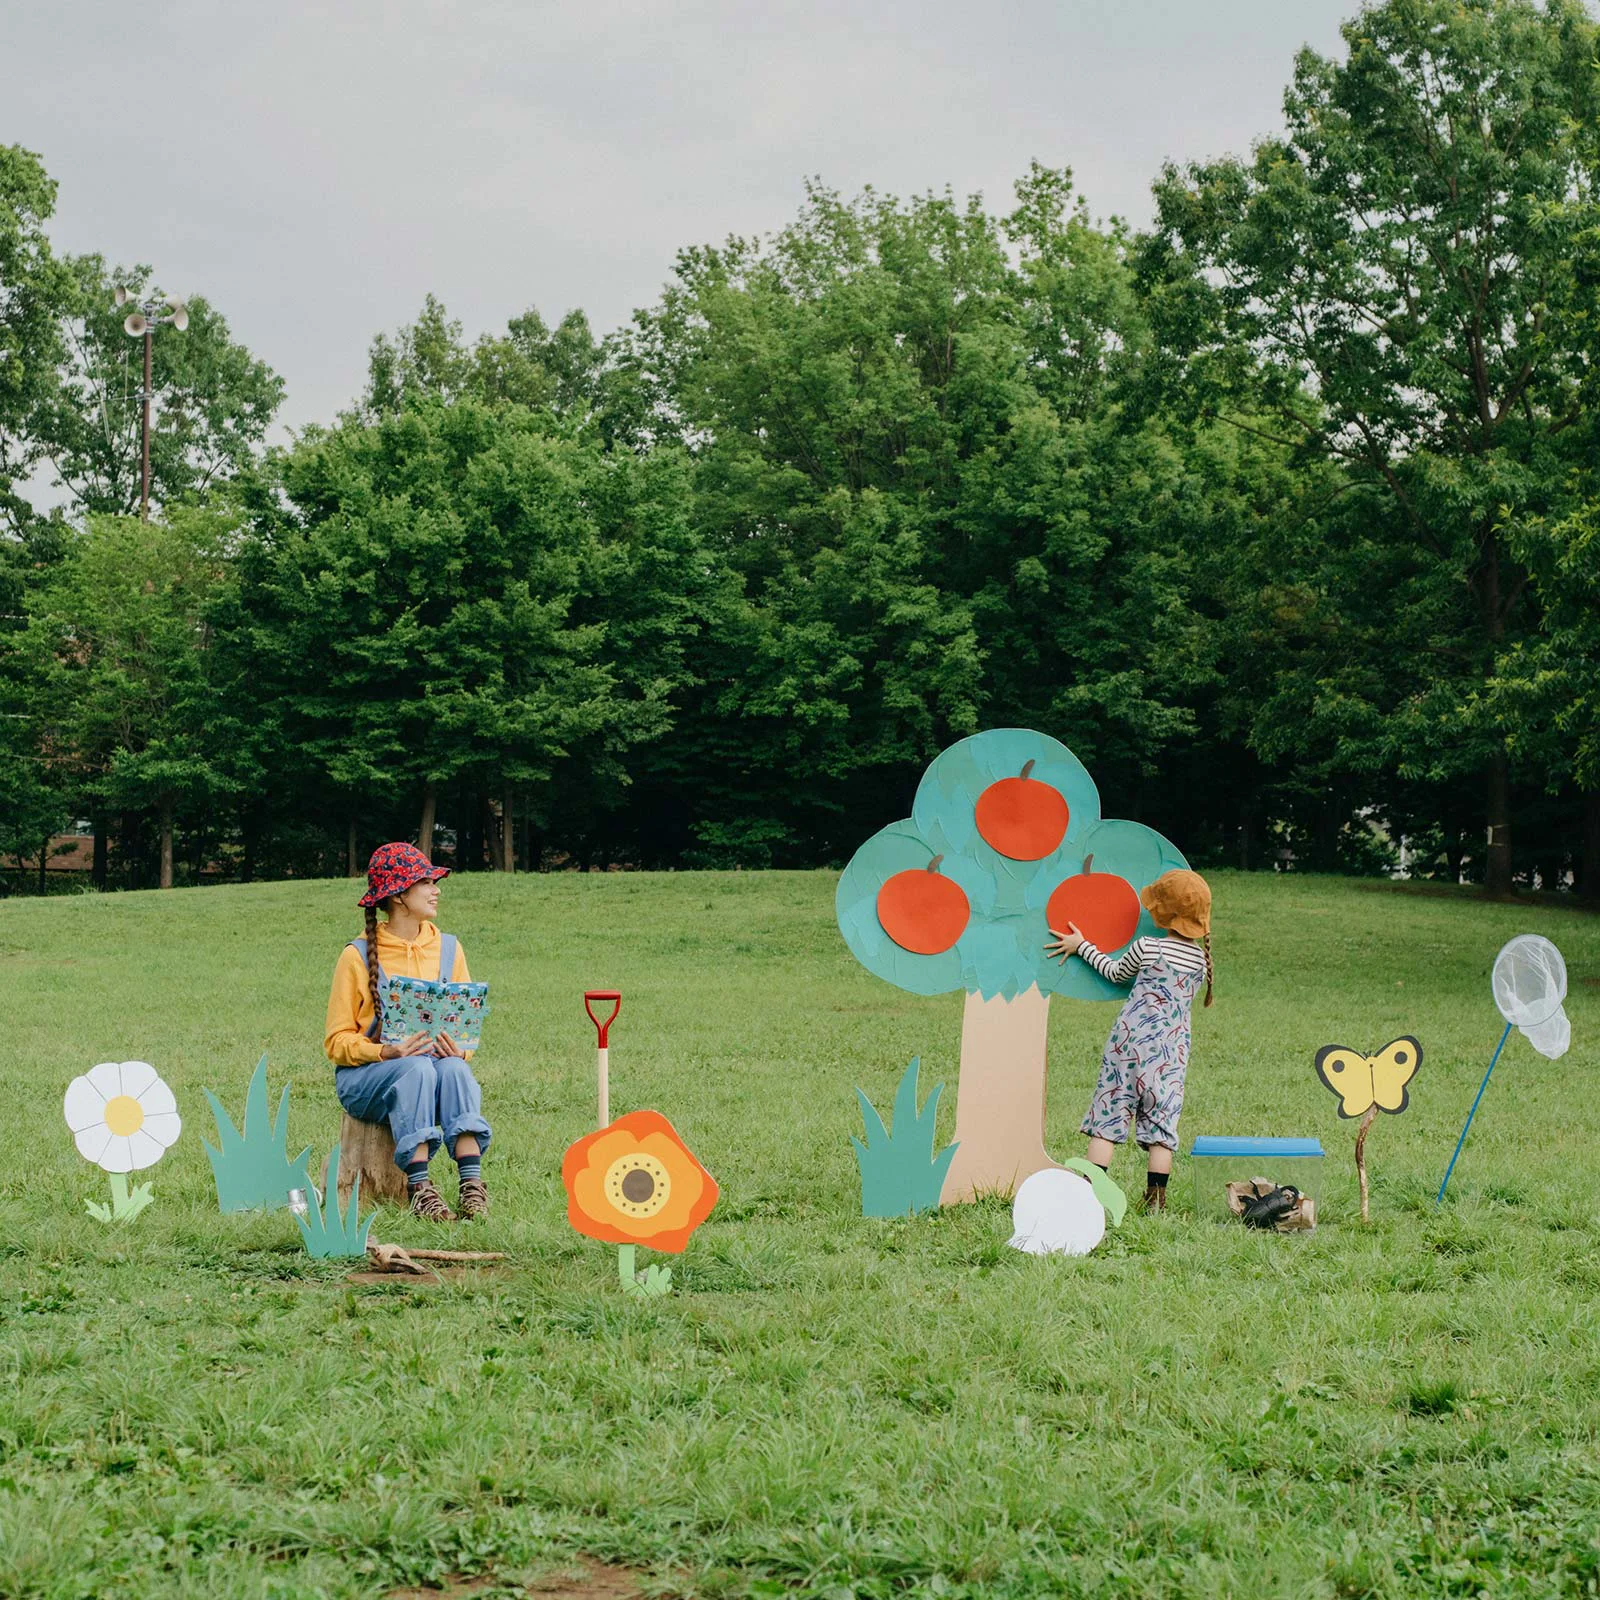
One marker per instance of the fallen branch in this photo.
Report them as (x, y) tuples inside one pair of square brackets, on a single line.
[(396, 1258)]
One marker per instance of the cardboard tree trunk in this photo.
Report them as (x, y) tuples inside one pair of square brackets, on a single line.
[(1005, 841), (367, 1149), (1000, 1097)]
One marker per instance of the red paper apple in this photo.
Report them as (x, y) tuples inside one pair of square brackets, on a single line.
[(1104, 906), (1022, 818), (923, 911)]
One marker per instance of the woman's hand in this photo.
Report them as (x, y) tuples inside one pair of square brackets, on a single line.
[(444, 1045), (419, 1044), (1065, 944)]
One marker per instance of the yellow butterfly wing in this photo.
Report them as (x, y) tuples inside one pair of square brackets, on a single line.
[(1349, 1074), (1393, 1068)]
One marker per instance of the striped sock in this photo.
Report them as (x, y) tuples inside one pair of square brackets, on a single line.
[(416, 1173), (471, 1167)]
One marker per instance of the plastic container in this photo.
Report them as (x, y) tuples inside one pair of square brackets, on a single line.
[(1217, 1161)]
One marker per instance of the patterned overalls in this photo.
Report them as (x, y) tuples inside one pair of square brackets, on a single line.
[(1141, 1073)]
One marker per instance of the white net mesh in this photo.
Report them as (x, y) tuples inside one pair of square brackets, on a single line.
[(1530, 982)]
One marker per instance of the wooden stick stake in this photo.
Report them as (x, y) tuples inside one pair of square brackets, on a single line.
[(1361, 1156)]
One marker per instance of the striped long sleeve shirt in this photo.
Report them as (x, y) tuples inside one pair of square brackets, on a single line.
[(1181, 953)]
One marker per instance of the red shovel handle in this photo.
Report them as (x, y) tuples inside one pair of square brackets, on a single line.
[(602, 1025)]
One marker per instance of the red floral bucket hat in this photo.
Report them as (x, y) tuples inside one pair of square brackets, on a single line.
[(394, 868)]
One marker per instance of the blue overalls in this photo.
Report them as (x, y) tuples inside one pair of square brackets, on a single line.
[(432, 1098)]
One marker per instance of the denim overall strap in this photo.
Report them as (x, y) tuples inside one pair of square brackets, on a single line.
[(447, 957), (360, 947)]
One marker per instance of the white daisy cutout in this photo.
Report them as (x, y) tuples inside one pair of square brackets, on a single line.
[(122, 1116)]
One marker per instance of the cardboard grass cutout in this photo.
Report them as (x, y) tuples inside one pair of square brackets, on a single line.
[(1367, 1085), (900, 1174), (326, 1234), (123, 1118), (252, 1169), (1005, 841), (1529, 984)]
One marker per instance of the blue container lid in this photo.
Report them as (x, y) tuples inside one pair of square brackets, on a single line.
[(1210, 1144)]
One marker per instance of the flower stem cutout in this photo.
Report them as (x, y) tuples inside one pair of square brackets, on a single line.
[(124, 1206), (653, 1280)]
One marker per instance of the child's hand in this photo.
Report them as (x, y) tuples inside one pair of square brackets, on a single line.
[(444, 1045), (417, 1044), (1065, 944)]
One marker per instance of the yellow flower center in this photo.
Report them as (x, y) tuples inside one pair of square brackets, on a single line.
[(637, 1185), (124, 1115)]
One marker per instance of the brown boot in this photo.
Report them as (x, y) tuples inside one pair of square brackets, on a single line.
[(1155, 1198), (428, 1203), (474, 1201)]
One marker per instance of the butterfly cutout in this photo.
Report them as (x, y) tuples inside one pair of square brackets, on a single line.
[(1362, 1082)]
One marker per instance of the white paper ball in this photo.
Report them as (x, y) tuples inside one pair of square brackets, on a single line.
[(1056, 1213)]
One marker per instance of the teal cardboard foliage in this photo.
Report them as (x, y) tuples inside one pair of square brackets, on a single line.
[(900, 1174), (1001, 951), (329, 1235), (252, 1168)]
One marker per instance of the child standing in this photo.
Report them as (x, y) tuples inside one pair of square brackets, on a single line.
[(1147, 1055), (422, 1087)]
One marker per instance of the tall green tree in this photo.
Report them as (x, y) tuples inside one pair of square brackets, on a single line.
[(454, 606), (125, 700), (34, 290), (1398, 268)]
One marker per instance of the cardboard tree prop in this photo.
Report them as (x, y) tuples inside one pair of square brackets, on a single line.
[(252, 1169), (123, 1118), (900, 1174), (1529, 983), (1367, 1085), (1005, 841)]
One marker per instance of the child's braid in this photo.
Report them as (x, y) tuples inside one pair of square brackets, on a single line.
[(1205, 944), (372, 971)]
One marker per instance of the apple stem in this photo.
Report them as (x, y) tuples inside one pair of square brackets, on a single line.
[(1027, 768), (933, 866), (1088, 864)]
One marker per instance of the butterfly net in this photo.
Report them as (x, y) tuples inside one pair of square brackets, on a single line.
[(1530, 982)]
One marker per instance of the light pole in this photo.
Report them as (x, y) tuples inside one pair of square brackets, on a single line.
[(141, 323)]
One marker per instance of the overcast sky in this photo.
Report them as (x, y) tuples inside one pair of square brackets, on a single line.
[(315, 170)]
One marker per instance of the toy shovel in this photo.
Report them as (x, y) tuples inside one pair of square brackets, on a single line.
[(602, 1027)]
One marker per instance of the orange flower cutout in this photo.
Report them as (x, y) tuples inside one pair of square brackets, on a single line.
[(637, 1182)]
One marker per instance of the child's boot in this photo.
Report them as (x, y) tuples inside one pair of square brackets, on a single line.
[(1155, 1192), (428, 1203), (474, 1199)]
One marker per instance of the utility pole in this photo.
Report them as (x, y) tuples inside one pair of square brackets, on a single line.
[(142, 322)]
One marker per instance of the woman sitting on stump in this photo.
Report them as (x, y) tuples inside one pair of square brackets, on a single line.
[(422, 1087)]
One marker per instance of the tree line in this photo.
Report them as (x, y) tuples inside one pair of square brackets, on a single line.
[(1282, 512)]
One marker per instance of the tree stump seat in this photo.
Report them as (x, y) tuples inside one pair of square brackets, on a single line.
[(367, 1149)]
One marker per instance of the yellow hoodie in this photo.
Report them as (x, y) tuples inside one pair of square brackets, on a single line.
[(350, 1003)]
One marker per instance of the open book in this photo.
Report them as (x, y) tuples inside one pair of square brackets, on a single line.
[(422, 1005)]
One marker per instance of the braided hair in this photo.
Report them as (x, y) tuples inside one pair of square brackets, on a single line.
[(372, 970), (1205, 944)]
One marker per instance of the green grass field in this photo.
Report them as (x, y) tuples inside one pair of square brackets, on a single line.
[(825, 1406)]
